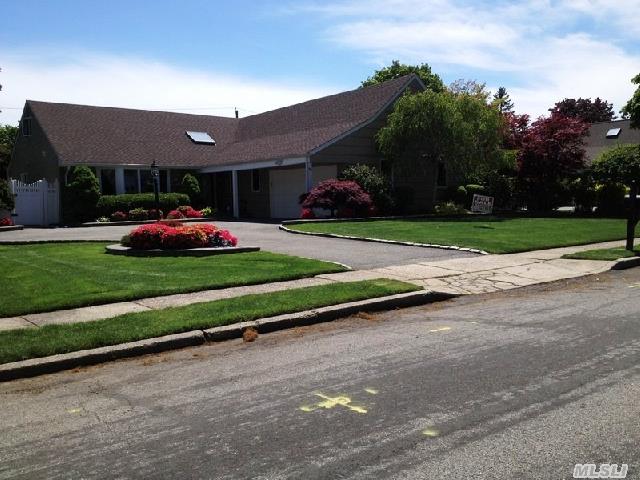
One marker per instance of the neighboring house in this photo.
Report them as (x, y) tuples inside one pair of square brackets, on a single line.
[(256, 166), (604, 135)]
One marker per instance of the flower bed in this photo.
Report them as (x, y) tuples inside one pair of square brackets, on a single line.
[(142, 215), (176, 236)]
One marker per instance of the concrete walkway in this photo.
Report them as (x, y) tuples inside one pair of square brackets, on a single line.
[(461, 276)]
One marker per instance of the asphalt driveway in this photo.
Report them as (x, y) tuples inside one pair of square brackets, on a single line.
[(356, 254)]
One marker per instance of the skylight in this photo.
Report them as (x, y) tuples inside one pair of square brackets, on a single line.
[(201, 137), (613, 132)]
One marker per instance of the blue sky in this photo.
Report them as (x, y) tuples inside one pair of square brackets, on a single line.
[(209, 57)]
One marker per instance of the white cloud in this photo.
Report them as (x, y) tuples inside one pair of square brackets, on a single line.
[(107, 80), (542, 51)]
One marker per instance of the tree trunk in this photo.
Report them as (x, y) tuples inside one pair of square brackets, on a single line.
[(632, 220)]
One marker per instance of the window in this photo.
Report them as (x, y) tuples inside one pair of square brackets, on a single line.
[(146, 181), (613, 132), (131, 181), (442, 175), (163, 181), (255, 180), (26, 127), (108, 181)]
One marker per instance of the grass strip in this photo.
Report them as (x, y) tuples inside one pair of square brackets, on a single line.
[(605, 254), (54, 276), (52, 339), (491, 234)]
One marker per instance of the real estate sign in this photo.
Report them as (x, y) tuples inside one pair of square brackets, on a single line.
[(482, 204)]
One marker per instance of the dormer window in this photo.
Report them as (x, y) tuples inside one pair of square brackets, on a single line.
[(200, 137), (613, 132), (26, 127)]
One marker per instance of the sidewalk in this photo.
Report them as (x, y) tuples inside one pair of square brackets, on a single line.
[(460, 276)]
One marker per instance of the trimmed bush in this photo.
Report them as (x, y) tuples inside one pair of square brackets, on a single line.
[(611, 199), (80, 195), (339, 196), (191, 187), (128, 201), (138, 214), (373, 182), (118, 216), (7, 201)]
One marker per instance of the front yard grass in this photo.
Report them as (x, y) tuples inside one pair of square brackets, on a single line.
[(22, 344), (605, 254), (491, 234), (45, 277)]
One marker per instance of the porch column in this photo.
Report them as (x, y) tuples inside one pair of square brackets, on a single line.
[(234, 188), (308, 177)]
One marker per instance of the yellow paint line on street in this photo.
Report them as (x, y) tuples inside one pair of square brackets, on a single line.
[(430, 432), (74, 410), (332, 402), (372, 391), (441, 329)]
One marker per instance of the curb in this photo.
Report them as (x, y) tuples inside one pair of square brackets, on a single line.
[(380, 240), (55, 363), (118, 249), (11, 228), (65, 361), (624, 263)]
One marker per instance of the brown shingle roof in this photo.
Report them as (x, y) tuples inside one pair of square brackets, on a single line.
[(83, 134), (597, 140)]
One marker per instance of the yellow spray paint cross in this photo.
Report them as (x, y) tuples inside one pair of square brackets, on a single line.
[(331, 402)]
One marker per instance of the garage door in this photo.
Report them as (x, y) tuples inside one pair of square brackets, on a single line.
[(286, 186)]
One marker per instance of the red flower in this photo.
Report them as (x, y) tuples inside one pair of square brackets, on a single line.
[(6, 222)]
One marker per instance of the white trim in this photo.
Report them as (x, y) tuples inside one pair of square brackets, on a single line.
[(371, 120), (283, 162)]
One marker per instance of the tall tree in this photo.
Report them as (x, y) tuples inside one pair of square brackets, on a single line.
[(8, 134), (431, 80), (515, 129), (470, 87), (621, 164), (584, 109), (429, 127), (632, 108), (503, 101), (552, 152)]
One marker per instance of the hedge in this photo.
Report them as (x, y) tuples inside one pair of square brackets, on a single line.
[(128, 201)]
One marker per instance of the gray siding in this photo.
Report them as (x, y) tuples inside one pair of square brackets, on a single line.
[(33, 156)]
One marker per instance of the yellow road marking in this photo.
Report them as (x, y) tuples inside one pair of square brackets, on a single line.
[(74, 410), (331, 402), (372, 391), (431, 432), (441, 329)]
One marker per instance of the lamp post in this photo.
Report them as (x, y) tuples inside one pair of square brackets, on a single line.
[(155, 175)]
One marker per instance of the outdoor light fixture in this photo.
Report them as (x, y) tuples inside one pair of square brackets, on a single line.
[(155, 175)]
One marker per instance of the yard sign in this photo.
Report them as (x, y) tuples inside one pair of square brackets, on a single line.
[(482, 204)]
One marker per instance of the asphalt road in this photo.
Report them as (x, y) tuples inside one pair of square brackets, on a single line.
[(520, 384), (356, 254)]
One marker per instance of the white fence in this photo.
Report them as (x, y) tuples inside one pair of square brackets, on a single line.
[(37, 203)]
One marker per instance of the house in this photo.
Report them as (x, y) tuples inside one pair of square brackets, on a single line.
[(605, 135), (256, 166)]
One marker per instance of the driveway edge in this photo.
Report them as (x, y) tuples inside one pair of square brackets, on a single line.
[(624, 263), (381, 240), (56, 363)]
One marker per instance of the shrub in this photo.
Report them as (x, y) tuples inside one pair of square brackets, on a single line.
[(502, 189), (611, 199), (583, 192), (189, 212), (307, 213), (372, 182), (128, 201), (450, 208), (208, 212), (155, 214), (7, 200), (6, 222), (403, 199), (335, 194), (80, 195), (138, 214), (166, 235), (118, 216), (191, 187), (175, 215)]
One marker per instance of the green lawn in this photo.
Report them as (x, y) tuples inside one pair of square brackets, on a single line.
[(491, 234), (45, 277), (52, 339), (608, 254)]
